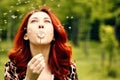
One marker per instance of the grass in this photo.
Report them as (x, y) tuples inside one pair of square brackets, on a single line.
[(88, 62)]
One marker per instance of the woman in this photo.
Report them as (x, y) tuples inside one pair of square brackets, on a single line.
[(40, 50)]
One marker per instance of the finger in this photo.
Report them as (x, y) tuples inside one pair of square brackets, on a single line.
[(42, 66), (34, 59), (39, 67), (38, 61)]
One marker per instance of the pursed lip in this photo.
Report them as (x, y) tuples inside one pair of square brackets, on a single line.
[(41, 34)]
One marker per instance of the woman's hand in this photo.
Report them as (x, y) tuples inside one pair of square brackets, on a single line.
[(35, 67)]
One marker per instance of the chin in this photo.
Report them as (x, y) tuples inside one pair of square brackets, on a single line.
[(44, 43)]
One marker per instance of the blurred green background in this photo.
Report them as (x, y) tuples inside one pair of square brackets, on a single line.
[(93, 28)]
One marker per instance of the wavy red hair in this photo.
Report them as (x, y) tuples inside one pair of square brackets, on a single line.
[(60, 53)]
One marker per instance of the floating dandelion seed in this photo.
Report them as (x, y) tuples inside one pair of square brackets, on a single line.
[(32, 7), (44, 4), (69, 27), (10, 10), (17, 3), (5, 14), (0, 29), (5, 21), (11, 6), (18, 0), (58, 5), (72, 17), (25, 2), (28, 1), (67, 17), (13, 16), (18, 10), (25, 28)]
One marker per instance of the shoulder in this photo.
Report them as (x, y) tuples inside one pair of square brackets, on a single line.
[(9, 64), (73, 72), (10, 71), (73, 68)]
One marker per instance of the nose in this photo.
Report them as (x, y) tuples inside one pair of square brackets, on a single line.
[(41, 26)]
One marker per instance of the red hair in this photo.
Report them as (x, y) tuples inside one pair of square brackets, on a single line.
[(60, 53)]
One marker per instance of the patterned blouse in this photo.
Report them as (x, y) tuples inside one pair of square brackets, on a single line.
[(11, 74)]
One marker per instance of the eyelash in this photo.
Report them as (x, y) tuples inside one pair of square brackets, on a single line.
[(47, 21), (33, 21)]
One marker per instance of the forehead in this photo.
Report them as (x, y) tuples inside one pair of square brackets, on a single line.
[(39, 15)]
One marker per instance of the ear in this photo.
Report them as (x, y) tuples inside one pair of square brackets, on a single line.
[(25, 37)]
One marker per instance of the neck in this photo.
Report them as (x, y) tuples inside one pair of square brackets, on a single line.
[(41, 49)]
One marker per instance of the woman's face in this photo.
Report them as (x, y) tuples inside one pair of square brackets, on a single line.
[(40, 29)]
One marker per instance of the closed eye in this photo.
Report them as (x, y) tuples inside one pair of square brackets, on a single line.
[(32, 21), (47, 21)]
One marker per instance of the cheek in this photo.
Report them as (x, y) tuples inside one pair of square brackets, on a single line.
[(31, 28), (50, 32), (31, 32)]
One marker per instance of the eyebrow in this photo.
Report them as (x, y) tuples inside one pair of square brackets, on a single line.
[(34, 18), (37, 18), (46, 18)]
